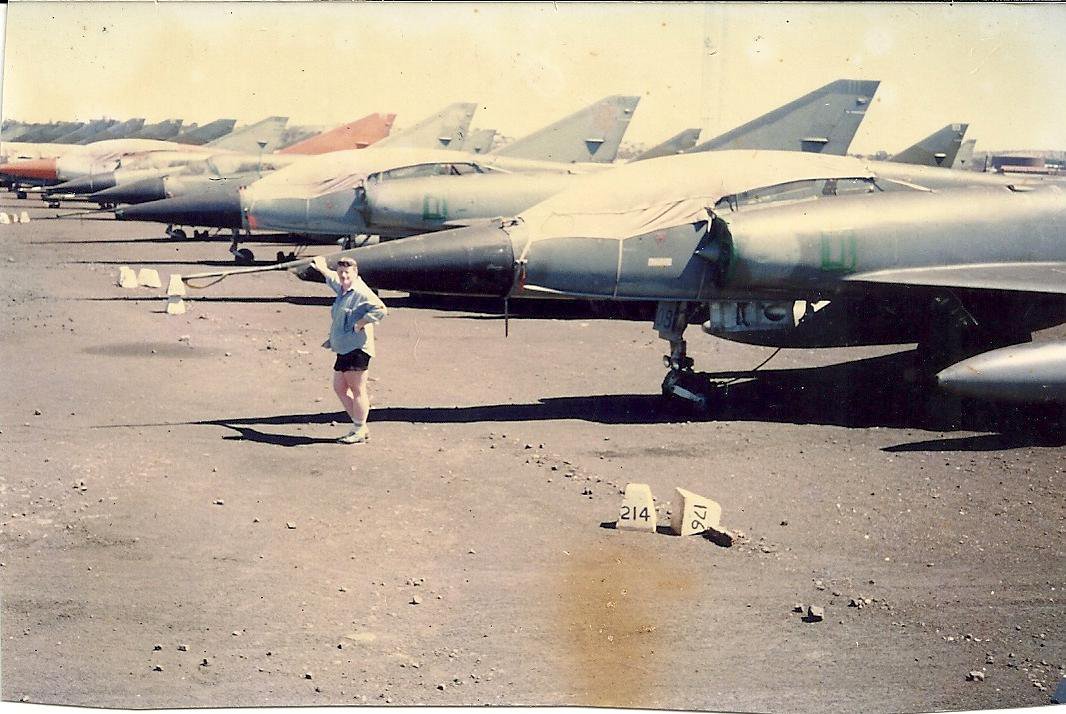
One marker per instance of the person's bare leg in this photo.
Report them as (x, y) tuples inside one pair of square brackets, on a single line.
[(360, 398), (340, 386)]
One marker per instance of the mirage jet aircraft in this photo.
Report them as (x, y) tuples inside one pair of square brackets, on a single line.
[(103, 157), (144, 185), (329, 186), (345, 195), (411, 199), (208, 193), (218, 179), (748, 241), (95, 171)]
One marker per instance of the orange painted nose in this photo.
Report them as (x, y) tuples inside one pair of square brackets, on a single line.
[(40, 169)]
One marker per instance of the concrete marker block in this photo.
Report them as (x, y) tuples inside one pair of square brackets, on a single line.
[(5, 220), (126, 277), (694, 514), (148, 278), (175, 305), (24, 217), (175, 286), (637, 512)]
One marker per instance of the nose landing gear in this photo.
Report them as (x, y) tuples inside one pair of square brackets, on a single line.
[(682, 381)]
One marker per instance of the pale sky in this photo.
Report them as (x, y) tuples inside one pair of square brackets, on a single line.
[(997, 66)]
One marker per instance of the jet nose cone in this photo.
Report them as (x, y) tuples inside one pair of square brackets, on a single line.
[(477, 261), (85, 184), (220, 209), (142, 191), (36, 169)]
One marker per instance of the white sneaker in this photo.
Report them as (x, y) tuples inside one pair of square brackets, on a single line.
[(355, 436)]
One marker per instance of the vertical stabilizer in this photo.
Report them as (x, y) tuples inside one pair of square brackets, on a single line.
[(117, 131), (86, 133), (162, 131), (964, 158), (677, 144), (824, 122), (263, 136), (479, 141), (938, 149), (206, 133), (592, 134), (446, 129), (354, 135)]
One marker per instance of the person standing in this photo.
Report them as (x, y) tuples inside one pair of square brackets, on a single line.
[(355, 311)]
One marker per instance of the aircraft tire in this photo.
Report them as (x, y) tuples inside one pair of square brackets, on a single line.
[(244, 256)]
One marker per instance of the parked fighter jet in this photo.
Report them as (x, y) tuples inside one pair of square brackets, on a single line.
[(211, 198), (346, 195), (330, 182), (95, 170), (144, 185), (103, 157), (755, 242), (412, 199)]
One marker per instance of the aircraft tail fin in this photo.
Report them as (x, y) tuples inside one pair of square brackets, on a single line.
[(91, 130), (592, 134), (206, 133), (479, 141), (964, 158), (444, 130), (263, 136), (677, 144), (938, 149), (162, 131), (823, 121), (354, 135), (118, 131)]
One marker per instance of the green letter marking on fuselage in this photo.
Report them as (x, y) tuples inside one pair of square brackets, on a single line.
[(434, 208), (839, 252)]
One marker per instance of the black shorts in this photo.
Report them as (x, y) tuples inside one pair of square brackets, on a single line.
[(354, 361)]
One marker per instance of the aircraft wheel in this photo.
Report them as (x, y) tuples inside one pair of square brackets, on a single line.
[(243, 256), (283, 257), (20, 194), (53, 204), (177, 234)]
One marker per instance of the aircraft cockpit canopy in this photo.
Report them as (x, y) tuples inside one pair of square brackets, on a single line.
[(808, 190), (431, 169)]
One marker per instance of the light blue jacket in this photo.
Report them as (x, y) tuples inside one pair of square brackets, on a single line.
[(348, 308)]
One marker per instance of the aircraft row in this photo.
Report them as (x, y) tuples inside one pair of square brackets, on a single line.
[(766, 234)]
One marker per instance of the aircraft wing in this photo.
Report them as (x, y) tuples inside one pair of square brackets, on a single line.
[(1035, 277)]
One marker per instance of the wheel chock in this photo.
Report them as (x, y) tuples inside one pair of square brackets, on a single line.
[(126, 277), (148, 278)]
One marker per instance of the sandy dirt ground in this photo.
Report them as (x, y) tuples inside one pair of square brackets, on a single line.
[(179, 529)]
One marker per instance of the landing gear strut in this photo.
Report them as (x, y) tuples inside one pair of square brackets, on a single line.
[(242, 256), (671, 319)]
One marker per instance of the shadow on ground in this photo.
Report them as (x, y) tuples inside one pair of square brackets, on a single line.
[(862, 394)]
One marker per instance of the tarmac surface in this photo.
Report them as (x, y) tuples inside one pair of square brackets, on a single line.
[(178, 527)]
